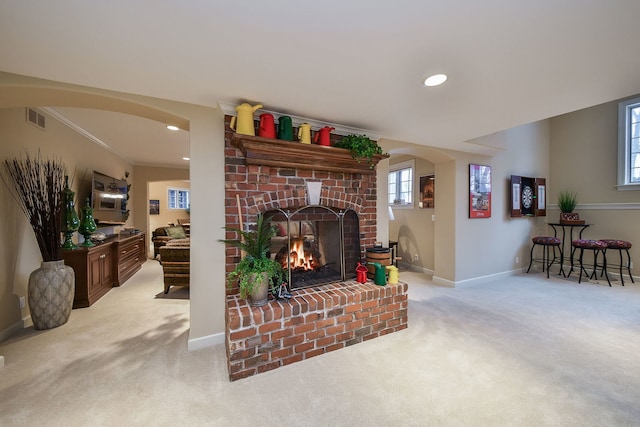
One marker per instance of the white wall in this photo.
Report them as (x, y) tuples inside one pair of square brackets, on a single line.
[(413, 227), (158, 190), (584, 160), (485, 247)]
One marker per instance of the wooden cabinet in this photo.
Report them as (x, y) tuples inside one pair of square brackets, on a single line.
[(130, 253), (94, 273), (105, 265)]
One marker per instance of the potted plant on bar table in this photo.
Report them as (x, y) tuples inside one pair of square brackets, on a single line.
[(256, 273), (567, 202), (38, 187)]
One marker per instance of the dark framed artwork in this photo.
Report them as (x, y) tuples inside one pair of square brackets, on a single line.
[(479, 191), (427, 192), (154, 207), (107, 204)]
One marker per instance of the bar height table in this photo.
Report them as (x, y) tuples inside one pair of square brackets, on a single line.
[(563, 238)]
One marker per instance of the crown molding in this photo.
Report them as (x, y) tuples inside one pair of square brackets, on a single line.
[(79, 129), (230, 110)]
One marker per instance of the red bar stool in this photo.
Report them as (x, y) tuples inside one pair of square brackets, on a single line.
[(596, 246), (618, 245), (546, 242)]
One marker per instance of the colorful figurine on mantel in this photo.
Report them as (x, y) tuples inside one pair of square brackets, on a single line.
[(361, 273)]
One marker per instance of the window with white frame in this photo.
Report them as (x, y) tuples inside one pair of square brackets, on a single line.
[(629, 145), (178, 198), (401, 183)]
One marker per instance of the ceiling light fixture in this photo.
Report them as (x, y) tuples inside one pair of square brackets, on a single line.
[(172, 127), (186, 158), (435, 80)]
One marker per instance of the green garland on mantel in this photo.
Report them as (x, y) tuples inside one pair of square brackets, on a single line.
[(361, 147)]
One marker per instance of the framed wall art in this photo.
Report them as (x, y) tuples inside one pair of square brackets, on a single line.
[(479, 191), (154, 207), (107, 204), (427, 192)]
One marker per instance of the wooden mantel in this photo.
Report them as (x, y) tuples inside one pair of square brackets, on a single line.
[(289, 154)]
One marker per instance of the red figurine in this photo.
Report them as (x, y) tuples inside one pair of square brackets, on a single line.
[(361, 273)]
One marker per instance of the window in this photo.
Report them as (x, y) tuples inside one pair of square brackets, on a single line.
[(178, 199), (629, 145), (401, 184)]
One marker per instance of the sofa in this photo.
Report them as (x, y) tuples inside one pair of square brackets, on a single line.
[(175, 261), (162, 235)]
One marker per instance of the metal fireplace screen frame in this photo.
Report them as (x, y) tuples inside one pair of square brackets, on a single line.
[(305, 221)]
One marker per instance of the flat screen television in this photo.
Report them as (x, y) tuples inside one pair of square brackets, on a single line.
[(108, 198)]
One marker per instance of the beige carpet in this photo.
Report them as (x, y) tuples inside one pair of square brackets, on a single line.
[(520, 351)]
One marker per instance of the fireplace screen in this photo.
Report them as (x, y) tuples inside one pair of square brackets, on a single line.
[(316, 244)]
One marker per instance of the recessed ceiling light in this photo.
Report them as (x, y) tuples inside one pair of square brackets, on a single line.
[(186, 158), (172, 127), (435, 80)]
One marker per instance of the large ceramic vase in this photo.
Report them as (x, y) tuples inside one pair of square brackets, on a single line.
[(51, 291), (260, 294)]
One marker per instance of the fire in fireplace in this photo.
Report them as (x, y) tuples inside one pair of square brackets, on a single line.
[(315, 244)]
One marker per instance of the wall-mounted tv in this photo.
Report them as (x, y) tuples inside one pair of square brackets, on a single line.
[(108, 197)]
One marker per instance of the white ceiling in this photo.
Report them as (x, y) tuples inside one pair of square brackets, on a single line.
[(358, 63)]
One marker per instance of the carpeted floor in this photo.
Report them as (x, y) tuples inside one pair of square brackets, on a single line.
[(518, 351)]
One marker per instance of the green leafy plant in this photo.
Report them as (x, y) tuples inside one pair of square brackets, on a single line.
[(360, 146), (255, 245), (567, 201)]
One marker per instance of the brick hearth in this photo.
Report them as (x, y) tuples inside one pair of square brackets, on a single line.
[(318, 319), (315, 321)]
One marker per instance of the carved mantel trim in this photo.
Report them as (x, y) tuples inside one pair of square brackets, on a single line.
[(288, 154)]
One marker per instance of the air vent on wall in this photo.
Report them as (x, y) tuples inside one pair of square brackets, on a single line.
[(35, 118)]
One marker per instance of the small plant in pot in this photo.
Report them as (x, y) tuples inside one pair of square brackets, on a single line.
[(361, 147), (256, 273), (567, 202)]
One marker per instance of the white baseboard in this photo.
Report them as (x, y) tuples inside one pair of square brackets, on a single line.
[(411, 267), (488, 278), (204, 342), (12, 330), (476, 280), (443, 282)]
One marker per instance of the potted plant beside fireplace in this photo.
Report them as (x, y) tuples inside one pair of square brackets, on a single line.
[(256, 273)]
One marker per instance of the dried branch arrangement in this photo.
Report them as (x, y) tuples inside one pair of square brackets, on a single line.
[(37, 186)]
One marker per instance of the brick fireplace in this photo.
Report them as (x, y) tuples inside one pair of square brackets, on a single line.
[(266, 176)]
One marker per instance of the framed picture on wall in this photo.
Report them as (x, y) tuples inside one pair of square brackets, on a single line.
[(479, 191), (154, 207), (427, 192), (107, 204)]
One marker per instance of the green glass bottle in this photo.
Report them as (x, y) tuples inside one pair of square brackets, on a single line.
[(71, 222), (87, 225)]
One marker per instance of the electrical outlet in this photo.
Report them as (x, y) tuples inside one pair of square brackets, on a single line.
[(22, 303), (517, 260), (631, 264), (415, 257)]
